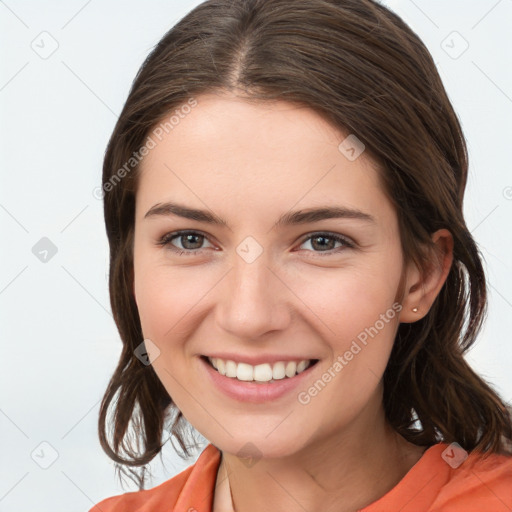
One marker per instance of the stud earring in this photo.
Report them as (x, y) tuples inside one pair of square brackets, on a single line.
[(415, 310)]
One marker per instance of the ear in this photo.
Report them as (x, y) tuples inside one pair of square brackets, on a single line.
[(422, 288)]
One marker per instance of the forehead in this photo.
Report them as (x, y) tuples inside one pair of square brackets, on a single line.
[(239, 155)]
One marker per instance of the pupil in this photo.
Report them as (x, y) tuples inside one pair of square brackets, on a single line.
[(190, 238), (321, 245)]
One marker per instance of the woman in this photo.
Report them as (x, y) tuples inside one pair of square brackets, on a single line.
[(291, 273)]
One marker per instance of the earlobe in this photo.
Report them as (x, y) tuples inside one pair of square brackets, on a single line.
[(422, 288)]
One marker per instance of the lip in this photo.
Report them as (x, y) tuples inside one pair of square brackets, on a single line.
[(255, 392)]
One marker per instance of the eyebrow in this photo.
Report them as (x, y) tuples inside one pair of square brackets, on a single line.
[(287, 219)]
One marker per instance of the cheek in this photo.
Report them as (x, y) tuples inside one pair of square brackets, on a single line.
[(167, 301), (165, 297), (172, 304), (348, 300), (359, 318)]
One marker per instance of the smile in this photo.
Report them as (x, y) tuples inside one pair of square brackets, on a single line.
[(265, 372)]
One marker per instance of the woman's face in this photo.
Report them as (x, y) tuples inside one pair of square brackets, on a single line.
[(261, 280)]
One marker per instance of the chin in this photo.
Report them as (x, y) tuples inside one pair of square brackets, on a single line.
[(258, 445)]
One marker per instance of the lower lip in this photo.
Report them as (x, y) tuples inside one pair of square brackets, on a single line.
[(255, 392)]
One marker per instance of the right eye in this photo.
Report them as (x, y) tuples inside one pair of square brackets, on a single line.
[(190, 241)]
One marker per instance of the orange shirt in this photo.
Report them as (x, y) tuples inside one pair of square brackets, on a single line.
[(479, 484)]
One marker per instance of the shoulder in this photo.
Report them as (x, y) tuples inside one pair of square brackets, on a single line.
[(482, 482), (191, 488), (447, 479)]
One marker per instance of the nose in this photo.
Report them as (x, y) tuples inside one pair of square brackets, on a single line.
[(254, 300)]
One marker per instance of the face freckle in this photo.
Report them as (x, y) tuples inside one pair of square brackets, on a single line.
[(257, 289)]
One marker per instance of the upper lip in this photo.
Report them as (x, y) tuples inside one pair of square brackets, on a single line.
[(259, 358)]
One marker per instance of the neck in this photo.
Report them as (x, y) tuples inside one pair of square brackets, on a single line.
[(340, 472)]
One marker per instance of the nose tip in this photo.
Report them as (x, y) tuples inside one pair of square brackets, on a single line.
[(253, 301)]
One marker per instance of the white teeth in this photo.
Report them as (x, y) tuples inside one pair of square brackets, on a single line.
[(260, 373), (244, 371), (263, 372), (221, 366), (278, 371), (231, 369), (291, 368), (301, 366)]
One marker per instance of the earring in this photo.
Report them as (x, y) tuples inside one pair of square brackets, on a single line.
[(415, 310)]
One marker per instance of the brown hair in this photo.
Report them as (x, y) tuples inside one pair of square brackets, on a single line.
[(359, 65)]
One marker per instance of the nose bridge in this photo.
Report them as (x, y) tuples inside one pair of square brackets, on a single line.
[(252, 301)]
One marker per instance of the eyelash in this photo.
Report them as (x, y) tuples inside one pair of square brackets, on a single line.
[(166, 240)]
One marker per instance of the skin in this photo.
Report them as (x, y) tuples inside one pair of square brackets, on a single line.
[(250, 163)]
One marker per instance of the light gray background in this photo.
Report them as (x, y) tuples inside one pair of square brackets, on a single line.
[(60, 344)]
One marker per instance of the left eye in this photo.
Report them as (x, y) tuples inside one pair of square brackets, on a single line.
[(325, 242)]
